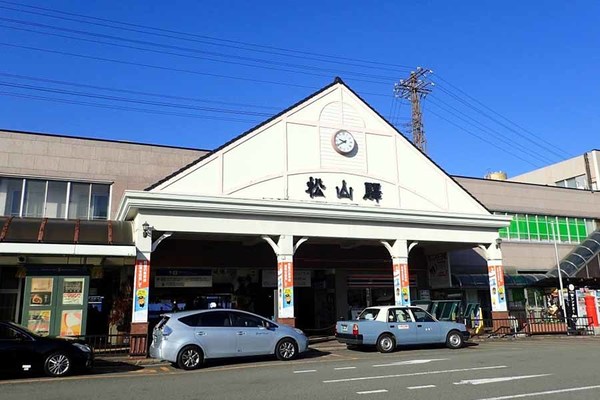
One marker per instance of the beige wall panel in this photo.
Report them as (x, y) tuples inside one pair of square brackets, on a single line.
[(254, 158), (272, 188), (303, 147), (204, 181), (533, 199)]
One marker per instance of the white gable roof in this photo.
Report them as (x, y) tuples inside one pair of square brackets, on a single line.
[(277, 159)]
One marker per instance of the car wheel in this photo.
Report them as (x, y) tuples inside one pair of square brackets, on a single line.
[(454, 340), (286, 349), (386, 343), (190, 357), (57, 364)]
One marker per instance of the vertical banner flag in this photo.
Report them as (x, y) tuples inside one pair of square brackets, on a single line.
[(141, 291), (497, 289), (401, 284), (285, 287)]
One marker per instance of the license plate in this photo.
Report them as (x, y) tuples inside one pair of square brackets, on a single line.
[(344, 328)]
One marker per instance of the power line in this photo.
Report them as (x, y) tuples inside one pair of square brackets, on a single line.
[(536, 143), (486, 129), (159, 67), (151, 94), (129, 100), (161, 45), (124, 108), (178, 54), (484, 139), (537, 137), (163, 68), (206, 39)]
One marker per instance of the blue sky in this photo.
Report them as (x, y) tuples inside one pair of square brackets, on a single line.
[(534, 63)]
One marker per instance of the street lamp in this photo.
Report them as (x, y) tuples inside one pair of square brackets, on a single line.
[(561, 298)]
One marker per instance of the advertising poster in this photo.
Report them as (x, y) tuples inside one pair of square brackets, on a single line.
[(141, 291), (438, 266), (497, 289), (73, 291), (70, 322), (285, 278), (401, 284), (41, 291), (38, 321)]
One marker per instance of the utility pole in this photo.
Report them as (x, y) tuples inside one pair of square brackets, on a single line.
[(414, 89)]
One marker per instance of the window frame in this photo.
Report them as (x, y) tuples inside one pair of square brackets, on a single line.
[(69, 183)]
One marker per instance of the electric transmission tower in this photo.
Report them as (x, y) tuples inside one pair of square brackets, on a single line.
[(414, 89)]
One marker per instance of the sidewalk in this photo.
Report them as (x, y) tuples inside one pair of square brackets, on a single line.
[(329, 344)]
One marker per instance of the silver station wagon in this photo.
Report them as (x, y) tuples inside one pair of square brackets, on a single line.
[(190, 337)]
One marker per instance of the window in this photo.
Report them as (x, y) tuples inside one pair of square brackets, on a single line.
[(56, 200), (422, 316), (37, 198), (531, 227), (398, 315), (214, 319), (248, 321), (8, 333), (369, 314), (79, 201), (10, 196), (577, 182), (190, 320), (99, 203)]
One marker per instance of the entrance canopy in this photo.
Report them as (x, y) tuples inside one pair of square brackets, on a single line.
[(43, 240)]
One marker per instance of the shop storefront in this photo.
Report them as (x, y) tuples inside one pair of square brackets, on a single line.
[(62, 277)]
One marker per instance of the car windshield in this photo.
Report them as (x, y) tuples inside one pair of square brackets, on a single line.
[(23, 329), (368, 314)]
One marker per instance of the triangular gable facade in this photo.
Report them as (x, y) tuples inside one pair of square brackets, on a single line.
[(284, 157)]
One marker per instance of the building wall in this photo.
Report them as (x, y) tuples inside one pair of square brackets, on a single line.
[(567, 169), (279, 160), (534, 199), (127, 165)]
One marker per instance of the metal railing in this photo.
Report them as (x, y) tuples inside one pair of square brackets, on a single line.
[(521, 325), (119, 344)]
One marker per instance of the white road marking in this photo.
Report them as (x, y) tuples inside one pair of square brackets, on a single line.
[(373, 391), (499, 379), (520, 396), (447, 371), (305, 371), (420, 387), (343, 368), (410, 362)]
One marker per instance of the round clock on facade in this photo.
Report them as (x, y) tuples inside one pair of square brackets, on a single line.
[(343, 142)]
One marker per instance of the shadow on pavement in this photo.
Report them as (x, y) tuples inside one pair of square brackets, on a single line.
[(101, 366), (108, 366), (408, 348), (267, 360)]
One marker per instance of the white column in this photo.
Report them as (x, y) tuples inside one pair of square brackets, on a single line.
[(284, 249), (399, 252)]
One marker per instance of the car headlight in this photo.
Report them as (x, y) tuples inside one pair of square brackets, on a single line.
[(83, 347), (299, 331)]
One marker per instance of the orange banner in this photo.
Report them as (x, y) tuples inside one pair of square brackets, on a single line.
[(141, 291)]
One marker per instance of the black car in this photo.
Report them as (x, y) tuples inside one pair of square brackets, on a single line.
[(24, 351)]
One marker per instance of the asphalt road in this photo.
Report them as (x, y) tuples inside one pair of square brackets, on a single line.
[(561, 368)]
